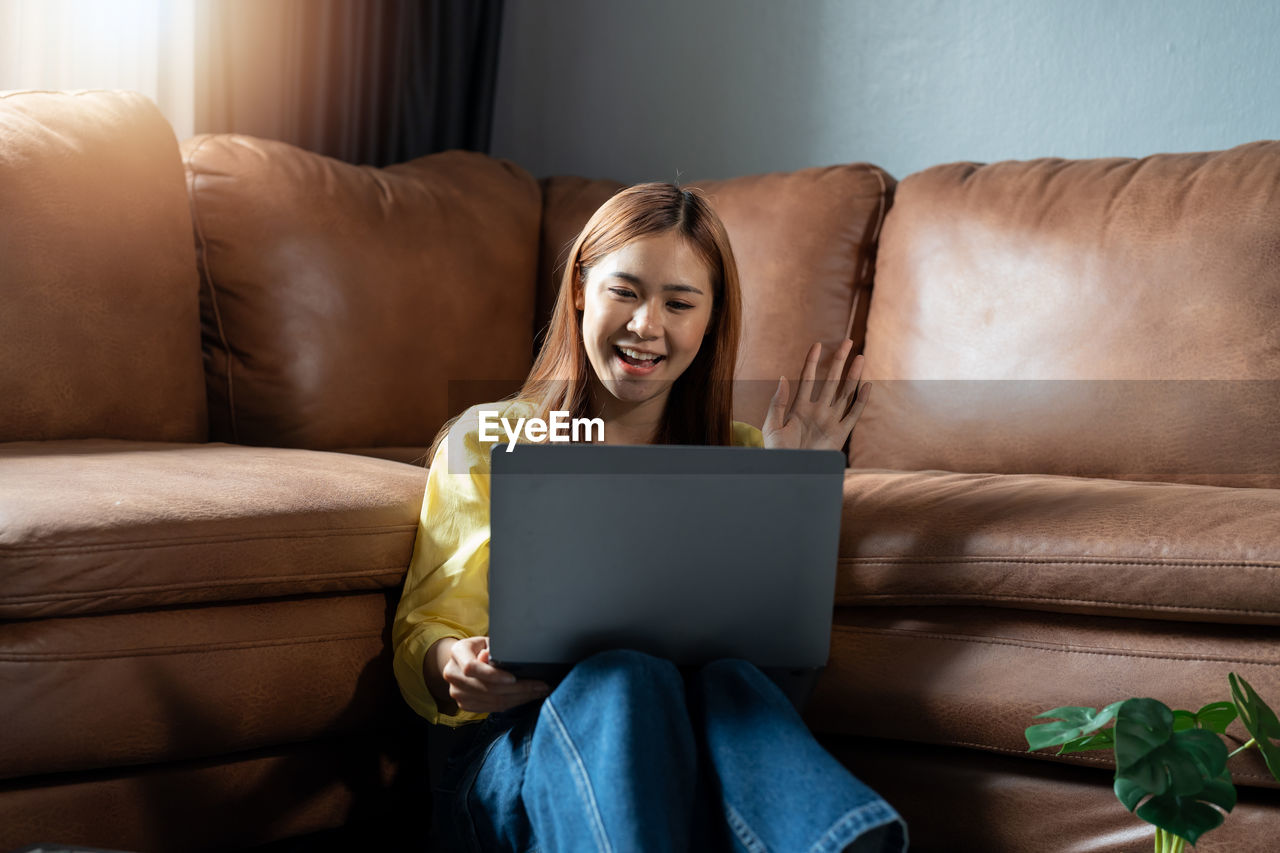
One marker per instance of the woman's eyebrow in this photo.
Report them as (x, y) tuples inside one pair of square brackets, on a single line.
[(636, 280)]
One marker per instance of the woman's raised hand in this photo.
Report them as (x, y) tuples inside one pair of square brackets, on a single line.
[(821, 418), (477, 685)]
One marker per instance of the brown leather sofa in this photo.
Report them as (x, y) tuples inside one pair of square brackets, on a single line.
[(224, 361)]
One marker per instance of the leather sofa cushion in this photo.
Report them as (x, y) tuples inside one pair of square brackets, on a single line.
[(1152, 285), (125, 689), (96, 526), (234, 802), (1063, 544), (976, 677), (407, 455), (345, 306), (567, 203), (100, 321), (805, 243)]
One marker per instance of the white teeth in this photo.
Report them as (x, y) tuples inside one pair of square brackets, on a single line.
[(639, 356)]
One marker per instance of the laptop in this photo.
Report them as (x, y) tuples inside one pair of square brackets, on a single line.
[(686, 553)]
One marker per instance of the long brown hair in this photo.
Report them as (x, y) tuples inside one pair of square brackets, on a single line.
[(699, 409)]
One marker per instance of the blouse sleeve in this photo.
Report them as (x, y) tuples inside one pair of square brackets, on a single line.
[(446, 591), (745, 435)]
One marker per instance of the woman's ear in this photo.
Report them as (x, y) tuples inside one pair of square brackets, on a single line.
[(579, 300)]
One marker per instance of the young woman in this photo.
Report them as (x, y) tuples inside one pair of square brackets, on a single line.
[(625, 754)]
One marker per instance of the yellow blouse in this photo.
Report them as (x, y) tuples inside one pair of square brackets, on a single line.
[(446, 592)]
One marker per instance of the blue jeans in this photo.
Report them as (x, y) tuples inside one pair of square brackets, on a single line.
[(624, 756)]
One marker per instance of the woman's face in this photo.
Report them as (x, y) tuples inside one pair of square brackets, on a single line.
[(645, 309)]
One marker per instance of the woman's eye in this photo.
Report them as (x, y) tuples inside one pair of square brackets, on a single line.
[(679, 306), (620, 291)]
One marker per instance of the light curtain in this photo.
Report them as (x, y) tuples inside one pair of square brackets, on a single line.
[(144, 45), (366, 81)]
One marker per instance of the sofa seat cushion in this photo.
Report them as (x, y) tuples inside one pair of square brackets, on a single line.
[(97, 525), (976, 677), (1064, 544), (232, 802), (127, 689)]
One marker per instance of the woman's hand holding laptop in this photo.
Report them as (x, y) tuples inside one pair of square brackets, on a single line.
[(459, 675)]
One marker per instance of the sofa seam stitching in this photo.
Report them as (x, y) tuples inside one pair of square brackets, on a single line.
[(860, 274), (213, 290), (1069, 561), (1027, 644), (14, 551), (852, 599), (156, 651), (1090, 758), (125, 592)]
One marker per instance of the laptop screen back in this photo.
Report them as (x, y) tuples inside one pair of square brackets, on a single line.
[(687, 553)]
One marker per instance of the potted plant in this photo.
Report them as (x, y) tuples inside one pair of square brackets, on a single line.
[(1171, 765)]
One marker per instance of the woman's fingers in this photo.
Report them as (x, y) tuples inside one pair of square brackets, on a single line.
[(481, 669), (776, 416), (469, 648), (479, 694), (864, 393), (818, 418), (480, 675), (830, 393), (472, 686), (488, 702), (809, 373), (477, 685), (850, 387)]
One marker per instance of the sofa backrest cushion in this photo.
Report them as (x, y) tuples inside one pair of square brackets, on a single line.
[(99, 330), (1101, 318), (346, 306), (805, 245)]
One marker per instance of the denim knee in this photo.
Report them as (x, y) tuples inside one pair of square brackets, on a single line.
[(613, 758), (732, 674), (627, 669), (731, 668)]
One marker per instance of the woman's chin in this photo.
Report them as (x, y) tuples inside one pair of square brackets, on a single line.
[(634, 391)]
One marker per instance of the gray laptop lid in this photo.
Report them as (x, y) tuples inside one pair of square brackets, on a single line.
[(688, 553)]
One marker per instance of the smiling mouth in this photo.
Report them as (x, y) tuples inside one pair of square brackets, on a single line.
[(648, 361)]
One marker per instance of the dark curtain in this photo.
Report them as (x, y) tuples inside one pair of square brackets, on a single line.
[(365, 81)]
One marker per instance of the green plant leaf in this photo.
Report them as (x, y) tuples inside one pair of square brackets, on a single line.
[(1183, 720), (1201, 758), (1153, 757), (1259, 720), (1216, 716), (1129, 793), (1142, 725), (1073, 722), (1104, 739), (1191, 816)]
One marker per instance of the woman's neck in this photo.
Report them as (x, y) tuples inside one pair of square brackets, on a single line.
[(628, 423)]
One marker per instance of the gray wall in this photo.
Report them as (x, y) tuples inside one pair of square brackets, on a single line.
[(641, 90)]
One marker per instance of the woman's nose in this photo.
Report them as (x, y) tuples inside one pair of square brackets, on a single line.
[(644, 323)]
